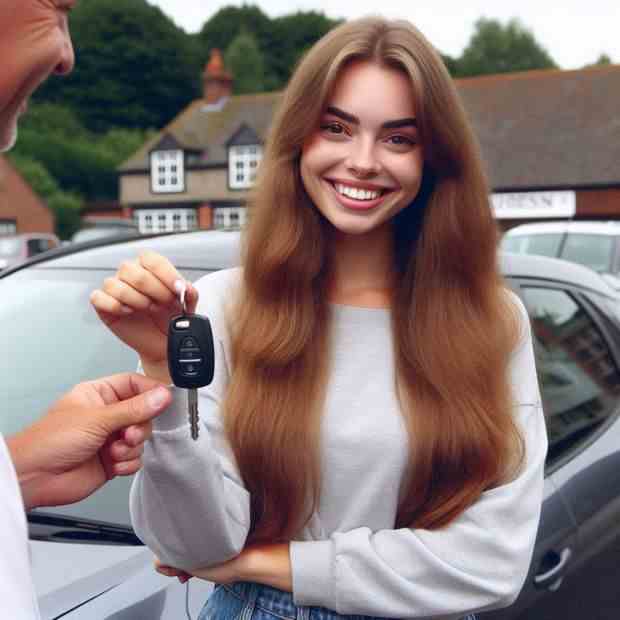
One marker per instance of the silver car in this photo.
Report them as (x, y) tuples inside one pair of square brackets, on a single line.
[(87, 561)]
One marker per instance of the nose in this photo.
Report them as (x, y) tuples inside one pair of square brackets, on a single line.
[(67, 57), (362, 160)]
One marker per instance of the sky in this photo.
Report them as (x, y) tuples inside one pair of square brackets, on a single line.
[(574, 32)]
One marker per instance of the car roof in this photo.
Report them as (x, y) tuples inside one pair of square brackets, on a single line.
[(216, 249), (585, 227), (545, 268), (185, 250)]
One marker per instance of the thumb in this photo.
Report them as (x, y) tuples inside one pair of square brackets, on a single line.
[(135, 410)]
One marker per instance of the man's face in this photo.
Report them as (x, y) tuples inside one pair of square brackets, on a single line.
[(34, 42)]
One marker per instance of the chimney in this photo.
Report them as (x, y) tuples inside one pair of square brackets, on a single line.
[(216, 80)]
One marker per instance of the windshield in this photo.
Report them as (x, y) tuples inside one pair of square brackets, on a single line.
[(51, 339), (9, 247), (594, 251)]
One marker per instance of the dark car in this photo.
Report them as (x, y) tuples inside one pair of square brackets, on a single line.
[(89, 564)]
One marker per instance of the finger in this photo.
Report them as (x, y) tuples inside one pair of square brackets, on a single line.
[(145, 282), (127, 468), (107, 305), (191, 297), (121, 451), (122, 386), (161, 267), (137, 434), (136, 410), (125, 294)]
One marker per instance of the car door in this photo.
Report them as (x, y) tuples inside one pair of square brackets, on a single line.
[(576, 347), (557, 532)]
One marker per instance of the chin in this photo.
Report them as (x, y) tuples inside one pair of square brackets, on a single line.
[(8, 137)]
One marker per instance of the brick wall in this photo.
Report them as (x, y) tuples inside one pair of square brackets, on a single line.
[(20, 204)]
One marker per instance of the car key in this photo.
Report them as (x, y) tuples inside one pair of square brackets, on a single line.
[(191, 357)]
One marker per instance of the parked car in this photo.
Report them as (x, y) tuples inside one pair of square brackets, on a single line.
[(17, 248), (590, 243), (100, 228), (87, 560)]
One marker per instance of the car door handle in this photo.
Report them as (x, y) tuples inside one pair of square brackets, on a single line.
[(552, 579)]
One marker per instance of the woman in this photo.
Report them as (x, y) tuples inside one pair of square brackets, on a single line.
[(375, 441)]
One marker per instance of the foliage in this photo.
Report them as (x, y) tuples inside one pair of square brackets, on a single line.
[(602, 61), (65, 206), (134, 68), (245, 61), (494, 48)]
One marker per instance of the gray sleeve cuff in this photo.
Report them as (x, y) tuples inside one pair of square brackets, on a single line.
[(313, 573), (176, 415)]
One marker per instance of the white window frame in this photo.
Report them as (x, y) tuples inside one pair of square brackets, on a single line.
[(8, 227), (225, 218), (243, 162), (167, 171), (165, 220)]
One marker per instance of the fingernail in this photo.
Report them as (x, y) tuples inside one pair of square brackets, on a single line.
[(156, 398), (178, 285), (126, 310)]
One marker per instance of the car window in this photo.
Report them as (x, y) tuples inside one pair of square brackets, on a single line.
[(594, 251), (579, 379), (51, 339), (543, 245)]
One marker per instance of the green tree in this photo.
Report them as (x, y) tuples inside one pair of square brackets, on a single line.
[(65, 206), (495, 48), (134, 67), (603, 61), (292, 36), (244, 60)]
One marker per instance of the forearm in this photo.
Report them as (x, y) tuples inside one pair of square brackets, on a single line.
[(269, 565), (29, 475)]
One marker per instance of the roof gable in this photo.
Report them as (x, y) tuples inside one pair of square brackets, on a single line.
[(244, 136)]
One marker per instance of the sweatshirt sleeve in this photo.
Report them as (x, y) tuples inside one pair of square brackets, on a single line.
[(188, 503), (478, 562)]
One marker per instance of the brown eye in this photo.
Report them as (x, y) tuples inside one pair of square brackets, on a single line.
[(335, 128)]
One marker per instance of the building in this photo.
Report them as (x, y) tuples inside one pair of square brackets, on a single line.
[(550, 140), (21, 210)]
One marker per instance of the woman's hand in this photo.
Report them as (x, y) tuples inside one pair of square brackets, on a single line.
[(137, 304), (269, 564)]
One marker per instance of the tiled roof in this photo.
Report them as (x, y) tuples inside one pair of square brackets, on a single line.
[(548, 128), (537, 129), (196, 128)]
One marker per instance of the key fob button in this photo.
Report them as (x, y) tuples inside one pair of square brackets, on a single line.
[(189, 343)]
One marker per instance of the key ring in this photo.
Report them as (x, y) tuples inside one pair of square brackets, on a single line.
[(183, 291)]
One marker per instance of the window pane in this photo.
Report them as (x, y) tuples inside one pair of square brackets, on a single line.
[(579, 380), (544, 245), (594, 251)]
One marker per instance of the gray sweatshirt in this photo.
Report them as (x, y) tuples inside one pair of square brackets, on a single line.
[(189, 505)]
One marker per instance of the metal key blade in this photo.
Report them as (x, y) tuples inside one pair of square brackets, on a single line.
[(192, 406)]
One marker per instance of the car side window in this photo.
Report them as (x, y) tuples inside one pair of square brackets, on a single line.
[(543, 245), (594, 251), (578, 377)]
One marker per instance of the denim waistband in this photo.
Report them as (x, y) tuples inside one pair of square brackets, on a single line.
[(280, 603)]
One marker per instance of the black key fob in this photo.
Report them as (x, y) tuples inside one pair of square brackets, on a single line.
[(191, 355)]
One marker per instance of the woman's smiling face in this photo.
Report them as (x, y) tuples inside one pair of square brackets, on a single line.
[(363, 164)]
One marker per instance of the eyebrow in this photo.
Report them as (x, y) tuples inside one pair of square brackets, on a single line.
[(396, 124)]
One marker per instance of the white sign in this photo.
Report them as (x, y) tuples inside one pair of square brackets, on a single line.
[(526, 205)]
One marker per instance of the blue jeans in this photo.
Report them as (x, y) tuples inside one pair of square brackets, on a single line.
[(244, 600)]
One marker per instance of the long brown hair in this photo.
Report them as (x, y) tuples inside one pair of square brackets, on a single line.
[(453, 324)]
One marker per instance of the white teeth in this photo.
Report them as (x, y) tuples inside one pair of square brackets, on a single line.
[(356, 193)]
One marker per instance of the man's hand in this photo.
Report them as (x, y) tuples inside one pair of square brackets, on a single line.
[(92, 434)]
